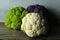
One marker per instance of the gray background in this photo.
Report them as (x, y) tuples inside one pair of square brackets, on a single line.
[(5, 5), (53, 23)]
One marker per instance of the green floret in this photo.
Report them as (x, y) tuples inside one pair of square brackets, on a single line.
[(14, 17)]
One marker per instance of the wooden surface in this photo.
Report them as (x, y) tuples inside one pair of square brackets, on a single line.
[(6, 34)]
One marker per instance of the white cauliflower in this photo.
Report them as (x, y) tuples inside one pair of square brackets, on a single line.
[(33, 24)]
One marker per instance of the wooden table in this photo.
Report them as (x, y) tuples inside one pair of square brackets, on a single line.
[(7, 34)]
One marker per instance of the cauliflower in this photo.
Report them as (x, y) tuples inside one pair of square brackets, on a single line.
[(36, 8), (33, 25), (14, 17)]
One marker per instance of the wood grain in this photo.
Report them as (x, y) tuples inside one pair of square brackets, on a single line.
[(8, 34)]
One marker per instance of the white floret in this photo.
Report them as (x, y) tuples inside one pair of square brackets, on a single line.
[(31, 24)]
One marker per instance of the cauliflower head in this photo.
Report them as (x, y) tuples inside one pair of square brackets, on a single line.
[(14, 17), (36, 8), (33, 24)]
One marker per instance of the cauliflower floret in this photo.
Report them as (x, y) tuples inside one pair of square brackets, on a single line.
[(31, 25), (14, 17)]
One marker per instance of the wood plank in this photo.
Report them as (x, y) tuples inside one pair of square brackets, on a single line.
[(7, 34)]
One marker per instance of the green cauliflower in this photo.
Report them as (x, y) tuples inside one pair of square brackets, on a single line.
[(33, 25), (14, 17)]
